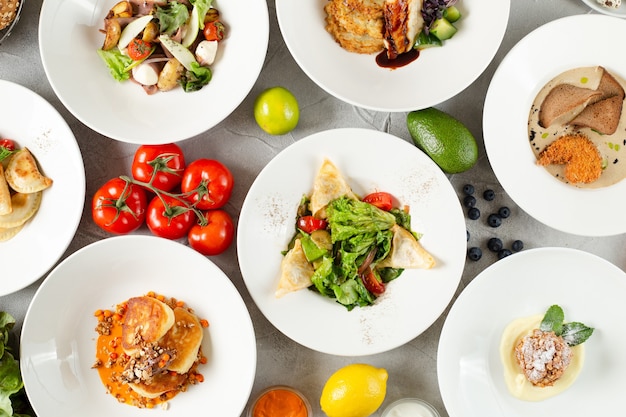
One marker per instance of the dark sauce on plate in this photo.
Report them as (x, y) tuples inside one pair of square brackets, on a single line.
[(403, 59)]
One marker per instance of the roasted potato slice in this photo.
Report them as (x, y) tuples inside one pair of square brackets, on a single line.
[(151, 32), (169, 75), (112, 33), (121, 9), (24, 207), (5, 194)]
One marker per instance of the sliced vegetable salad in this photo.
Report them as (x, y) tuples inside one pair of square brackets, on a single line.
[(162, 44), (439, 18)]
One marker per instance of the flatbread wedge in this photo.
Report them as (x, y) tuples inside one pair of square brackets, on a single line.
[(23, 174), (295, 271), (328, 185), (406, 252)]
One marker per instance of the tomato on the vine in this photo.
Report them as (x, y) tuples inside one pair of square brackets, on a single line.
[(165, 162), (207, 183), (381, 199), (372, 283), (139, 49), (216, 236), (119, 207), (169, 217), (309, 224), (214, 30)]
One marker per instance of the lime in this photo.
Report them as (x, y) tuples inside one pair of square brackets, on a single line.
[(443, 138), (276, 111), (356, 390)]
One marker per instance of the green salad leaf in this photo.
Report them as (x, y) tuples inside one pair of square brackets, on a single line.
[(13, 402), (348, 217), (195, 79), (573, 333), (171, 17), (117, 62)]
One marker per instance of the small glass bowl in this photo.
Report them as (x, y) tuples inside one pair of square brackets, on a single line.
[(269, 390), (4, 33), (410, 407)]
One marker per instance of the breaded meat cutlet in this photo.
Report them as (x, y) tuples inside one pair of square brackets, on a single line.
[(582, 160)]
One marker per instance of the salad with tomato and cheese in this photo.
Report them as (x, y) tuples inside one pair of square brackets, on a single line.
[(162, 44), (348, 248)]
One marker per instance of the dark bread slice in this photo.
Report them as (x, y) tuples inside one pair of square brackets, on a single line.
[(563, 103), (602, 116)]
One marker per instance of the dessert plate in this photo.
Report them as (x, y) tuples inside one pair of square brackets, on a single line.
[(587, 287), (619, 12)]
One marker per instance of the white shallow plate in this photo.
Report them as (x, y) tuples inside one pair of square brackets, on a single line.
[(437, 75), (33, 123), (588, 288), (58, 341), (574, 43), (370, 161), (619, 12), (69, 37)]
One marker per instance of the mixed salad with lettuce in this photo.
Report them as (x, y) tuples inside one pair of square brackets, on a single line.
[(162, 45), (13, 401), (439, 17)]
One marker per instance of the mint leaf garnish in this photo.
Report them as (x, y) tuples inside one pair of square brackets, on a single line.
[(576, 333), (553, 320)]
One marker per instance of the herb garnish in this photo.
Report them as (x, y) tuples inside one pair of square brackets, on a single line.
[(13, 400), (573, 333)]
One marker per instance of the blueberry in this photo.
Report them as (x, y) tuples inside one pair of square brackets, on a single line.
[(473, 213), (517, 245), (474, 253), (494, 244), (503, 253), (504, 212), (469, 201), (489, 195), (494, 220), (468, 189)]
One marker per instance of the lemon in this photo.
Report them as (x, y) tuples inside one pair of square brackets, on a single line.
[(444, 139), (356, 390), (276, 111)]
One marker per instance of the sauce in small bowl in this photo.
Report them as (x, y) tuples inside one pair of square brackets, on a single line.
[(410, 407), (280, 401)]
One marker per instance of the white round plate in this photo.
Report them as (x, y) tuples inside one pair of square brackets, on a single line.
[(69, 38), (588, 288), (619, 12), (516, 82), (437, 75), (58, 342), (33, 123), (370, 161)]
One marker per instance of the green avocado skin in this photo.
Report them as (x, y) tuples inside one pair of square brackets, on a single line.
[(444, 139)]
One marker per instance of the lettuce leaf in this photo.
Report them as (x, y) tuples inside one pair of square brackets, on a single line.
[(12, 395), (117, 63), (195, 79), (172, 16)]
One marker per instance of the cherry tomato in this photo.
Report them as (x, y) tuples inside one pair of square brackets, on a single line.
[(119, 207), (7, 144), (214, 31), (382, 200), (165, 162), (371, 282), (139, 49), (169, 217), (215, 237), (309, 224), (207, 184)]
